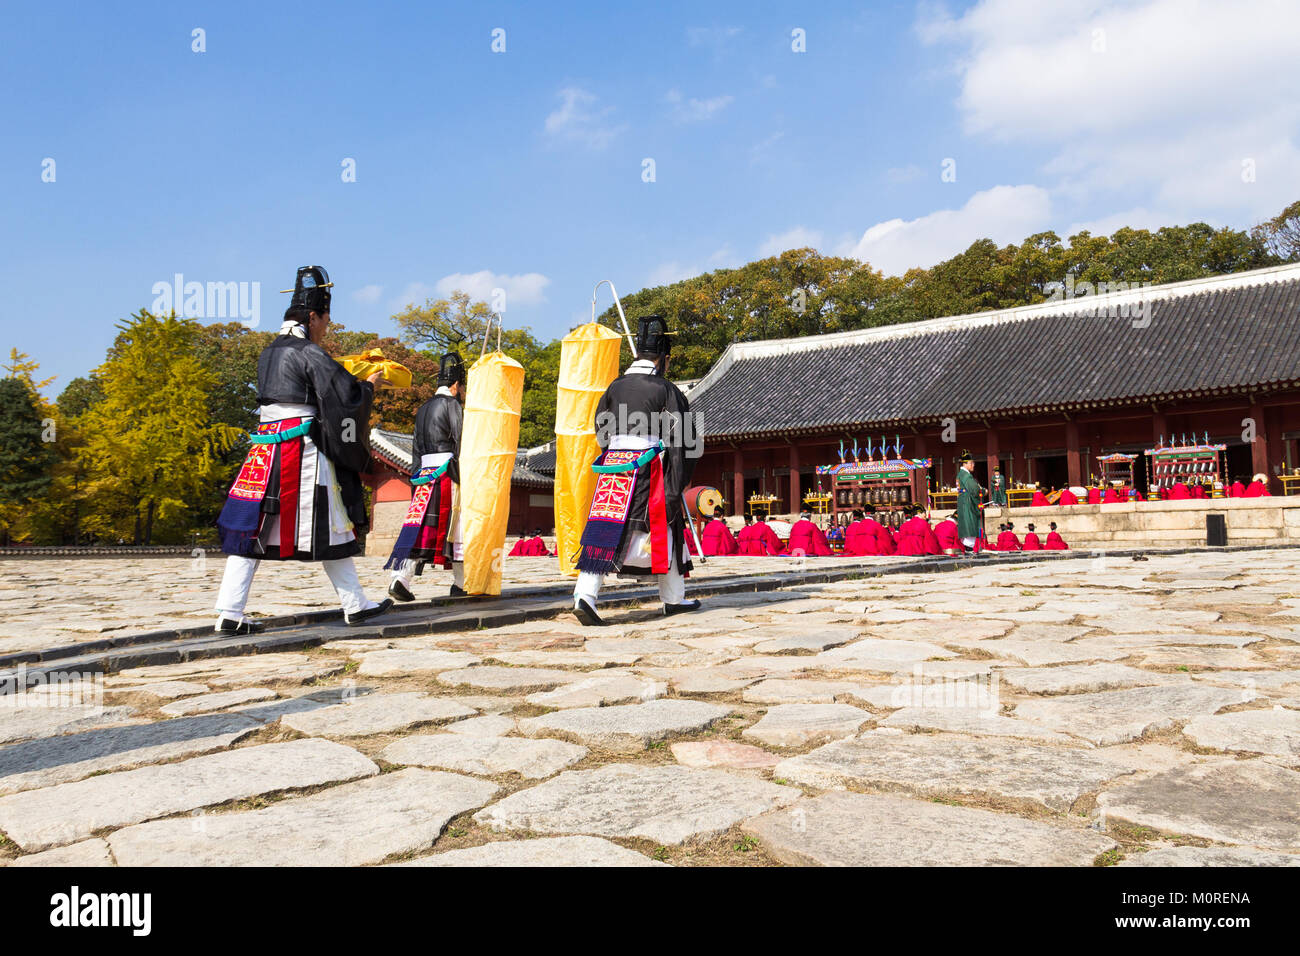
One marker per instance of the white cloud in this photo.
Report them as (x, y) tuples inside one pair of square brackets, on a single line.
[(414, 294), (695, 110), (526, 289), (796, 238), (368, 294), (1005, 214), (579, 120), (1159, 101)]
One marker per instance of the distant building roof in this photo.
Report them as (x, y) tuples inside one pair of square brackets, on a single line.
[(534, 467), (1225, 334)]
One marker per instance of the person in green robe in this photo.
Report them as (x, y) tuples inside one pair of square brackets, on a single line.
[(970, 523), (998, 488)]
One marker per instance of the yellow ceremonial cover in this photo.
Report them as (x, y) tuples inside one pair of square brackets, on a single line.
[(489, 442), (369, 362), (588, 363)]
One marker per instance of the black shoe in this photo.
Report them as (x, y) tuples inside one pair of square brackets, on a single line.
[(354, 619), (458, 592), (587, 615), (686, 608), (228, 626), (400, 592)]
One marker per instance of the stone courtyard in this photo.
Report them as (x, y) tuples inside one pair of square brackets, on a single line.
[(1075, 710)]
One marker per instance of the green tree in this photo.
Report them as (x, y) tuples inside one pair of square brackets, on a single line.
[(1281, 234), (26, 453), (151, 453)]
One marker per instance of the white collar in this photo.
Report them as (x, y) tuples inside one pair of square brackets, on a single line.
[(641, 367), (291, 327), (444, 390)]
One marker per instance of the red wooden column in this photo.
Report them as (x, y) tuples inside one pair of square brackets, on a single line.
[(796, 499), (1073, 464), (991, 452), (1259, 447), (1159, 426), (738, 483)]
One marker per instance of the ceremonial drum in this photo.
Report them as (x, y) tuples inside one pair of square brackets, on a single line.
[(701, 500)]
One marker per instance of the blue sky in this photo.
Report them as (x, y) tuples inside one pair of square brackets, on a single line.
[(522, 170)]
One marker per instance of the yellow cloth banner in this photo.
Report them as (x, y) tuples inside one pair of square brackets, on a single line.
[(588, 363), (366, 364), (489, 441)]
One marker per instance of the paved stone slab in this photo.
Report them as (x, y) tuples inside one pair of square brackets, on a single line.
[(698, 680), (238, 671), (978, 722), (1249, 731), (1112, 717), (800, 691), (565, 658), (1198, 658), (492, 725), (793, 725), (640, 646), (944, 632), (37, 819), (942, 766), (206, 703), (860, 829), (534, 759), (625, 728), (1230, 801), (1039, 653), (1255, 680), (93, 852), (402, 662), (542, 851), (349, 825), (876, 654), (55, 760), (1082, 678), (600, 690), (375, 714), (1210, 856), (510, 680), (723, 753), (804, 638), (166, 689), (668, 804), (31, 721)]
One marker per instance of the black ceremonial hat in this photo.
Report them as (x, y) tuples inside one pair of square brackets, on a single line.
[(311, 290), (451, 369), (966, 456), (652, 335)]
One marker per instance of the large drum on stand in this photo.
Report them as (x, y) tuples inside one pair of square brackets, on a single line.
[(701, 500)]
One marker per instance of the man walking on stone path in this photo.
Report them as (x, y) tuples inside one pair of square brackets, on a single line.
[(431, 530), (636, 525), (298, 495), (970, 523)]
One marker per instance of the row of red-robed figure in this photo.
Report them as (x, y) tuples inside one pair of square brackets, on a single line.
[(865, 537), (533, 547), (1007, 540), (1178, 492)]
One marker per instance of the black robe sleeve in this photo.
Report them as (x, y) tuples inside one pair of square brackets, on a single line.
[(343, 426)]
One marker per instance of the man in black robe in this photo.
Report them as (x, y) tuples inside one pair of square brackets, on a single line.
[(637, 525), (431, 531), (298, 495)]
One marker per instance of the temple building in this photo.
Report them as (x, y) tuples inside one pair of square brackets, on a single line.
[(1040, 390)]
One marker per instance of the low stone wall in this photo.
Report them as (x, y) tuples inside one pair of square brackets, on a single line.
[(1161, 524)]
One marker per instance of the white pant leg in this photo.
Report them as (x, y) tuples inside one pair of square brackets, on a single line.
[(405, 573), (672, 586), (969, 542), (236, 583), (458, 574), (343, 575), (588, 587)]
